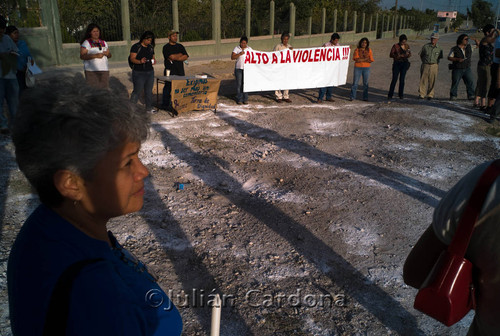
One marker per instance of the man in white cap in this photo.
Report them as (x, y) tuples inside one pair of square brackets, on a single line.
[(430, 55)]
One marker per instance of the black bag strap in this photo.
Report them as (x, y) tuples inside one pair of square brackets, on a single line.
[(57, 313), (472, 210)]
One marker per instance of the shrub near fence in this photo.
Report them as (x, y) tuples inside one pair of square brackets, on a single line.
[(195, 20), (155, 16)]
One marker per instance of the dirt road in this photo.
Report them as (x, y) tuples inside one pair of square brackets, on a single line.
[(300, 214)]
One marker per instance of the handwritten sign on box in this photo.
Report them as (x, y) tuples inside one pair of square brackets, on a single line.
[(195, 94)]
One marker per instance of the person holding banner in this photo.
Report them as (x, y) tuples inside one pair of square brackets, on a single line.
[(283, 96), (363, 57), (334, 42), (238, 54)]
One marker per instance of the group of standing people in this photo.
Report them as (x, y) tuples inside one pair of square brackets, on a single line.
[(95, 53), (142, 59), (363, 57), (460, 55)]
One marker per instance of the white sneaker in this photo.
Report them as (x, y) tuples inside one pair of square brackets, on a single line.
[(152, 111)]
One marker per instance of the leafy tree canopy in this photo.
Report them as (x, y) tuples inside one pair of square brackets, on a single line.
[(481, 13)]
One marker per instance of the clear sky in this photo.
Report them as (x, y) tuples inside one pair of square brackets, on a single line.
[(446, 5)]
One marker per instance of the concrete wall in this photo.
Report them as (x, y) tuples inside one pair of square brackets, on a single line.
[(41, 45)]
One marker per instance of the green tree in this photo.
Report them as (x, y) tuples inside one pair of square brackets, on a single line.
[(421, 20), (481, 13), (458, 21)]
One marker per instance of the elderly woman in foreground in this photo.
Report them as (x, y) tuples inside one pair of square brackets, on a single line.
[(67, 274)]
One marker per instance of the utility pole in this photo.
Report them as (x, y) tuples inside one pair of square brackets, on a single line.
[(496, 19), (395, 20)]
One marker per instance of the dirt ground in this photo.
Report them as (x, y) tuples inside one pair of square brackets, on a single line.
[(301, 215)]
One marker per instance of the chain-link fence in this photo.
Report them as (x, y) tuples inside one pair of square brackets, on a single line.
[(76, 15), (26, 13), (155, 16), (194, 16)]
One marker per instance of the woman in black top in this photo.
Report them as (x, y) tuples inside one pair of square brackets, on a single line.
[(142, 57), (400, 52), (486, 54)]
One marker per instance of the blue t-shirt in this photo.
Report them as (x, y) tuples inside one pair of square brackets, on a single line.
[(116, 296), (497, 46), (24, 53)]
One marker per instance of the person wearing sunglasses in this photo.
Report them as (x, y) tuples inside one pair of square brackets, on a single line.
[(461, 55), (95, 53)]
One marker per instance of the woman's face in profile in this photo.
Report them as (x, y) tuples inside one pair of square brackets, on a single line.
[(118, 184), (14, 36)]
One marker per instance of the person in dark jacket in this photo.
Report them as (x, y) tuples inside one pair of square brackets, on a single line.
[(461, 55)]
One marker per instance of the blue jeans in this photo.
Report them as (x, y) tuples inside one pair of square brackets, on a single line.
[(399, 69), (466, 75), (327, 90), (358, 72), (9, 90), (143, 80), (240, 95)]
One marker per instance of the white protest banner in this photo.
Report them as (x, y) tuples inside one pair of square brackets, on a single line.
[(295, 69)]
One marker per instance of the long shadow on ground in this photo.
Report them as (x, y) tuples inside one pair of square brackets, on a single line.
[(199, 277), (7, 166), (373, 298), (407, 185)]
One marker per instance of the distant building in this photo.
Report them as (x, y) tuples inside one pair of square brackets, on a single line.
[(444, 18), (447, 15)]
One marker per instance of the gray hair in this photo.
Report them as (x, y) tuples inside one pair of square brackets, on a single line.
[(67, 124)]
